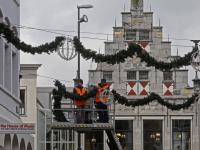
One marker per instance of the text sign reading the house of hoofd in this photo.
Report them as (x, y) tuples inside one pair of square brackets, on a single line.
[(23, 128)]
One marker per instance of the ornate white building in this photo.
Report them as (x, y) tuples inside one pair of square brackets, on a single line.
[(150, 127)]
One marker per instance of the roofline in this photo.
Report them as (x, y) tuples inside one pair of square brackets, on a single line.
[(30, 66)]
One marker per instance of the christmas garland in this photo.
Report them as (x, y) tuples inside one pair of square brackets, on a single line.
[(61, 92), (153, 97), (121, 56), (9, 35)]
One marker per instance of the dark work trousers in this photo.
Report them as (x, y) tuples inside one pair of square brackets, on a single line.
[(102, 111), (80, 114)]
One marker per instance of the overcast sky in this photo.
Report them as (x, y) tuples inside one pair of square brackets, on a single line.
[(180, 19)]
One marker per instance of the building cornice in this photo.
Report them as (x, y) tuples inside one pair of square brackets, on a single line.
[(117, 27), (110, 42), (166, 42), (148, 12), (125, 12), (30, 66), (157, 27), (130, 12)]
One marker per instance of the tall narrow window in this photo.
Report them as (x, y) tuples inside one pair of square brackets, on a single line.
[(130, 34), (107, 75), (124, 131), (168, 75), (144, 35), (131, 75), (181, 134), (22, 106), (94, 140), (152, 136)]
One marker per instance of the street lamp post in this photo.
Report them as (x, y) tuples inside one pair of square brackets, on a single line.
[(83, 19)]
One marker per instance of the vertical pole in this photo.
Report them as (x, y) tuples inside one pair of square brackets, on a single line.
[(79, 134), (151, 32), (45, 130), (79, 40)]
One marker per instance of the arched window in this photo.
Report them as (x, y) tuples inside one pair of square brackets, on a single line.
[(7, 142), (1, 16), (15, 30), (7, 21), (15, 145), (29, 147), (22, 144)]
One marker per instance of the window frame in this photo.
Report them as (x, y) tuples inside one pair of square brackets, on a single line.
[(84, 136), (153, 118), (25, 101), (129, 72), (143, 79), (164, 73), (130, 32), (129, 119), (108, 80), (144, 36), (191, 128)]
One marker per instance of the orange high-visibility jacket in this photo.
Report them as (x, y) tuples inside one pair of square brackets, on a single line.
[(98, 95), (78, 91)]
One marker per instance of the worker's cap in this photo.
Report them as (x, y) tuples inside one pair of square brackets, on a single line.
[(80, 81), (103, 80)]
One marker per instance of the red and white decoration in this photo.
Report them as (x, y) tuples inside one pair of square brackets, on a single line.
[(145, 46), (144, 88), (168, 89), (131, 88), (110, 86)]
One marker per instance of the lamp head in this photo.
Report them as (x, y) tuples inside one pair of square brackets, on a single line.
[(83, 19), (86, 6)]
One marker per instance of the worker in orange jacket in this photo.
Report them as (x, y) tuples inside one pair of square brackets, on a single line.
[(103, 115), (81, 105)]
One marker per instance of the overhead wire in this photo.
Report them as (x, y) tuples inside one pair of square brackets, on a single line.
[(103, 39), (52, 31), (44, 76)]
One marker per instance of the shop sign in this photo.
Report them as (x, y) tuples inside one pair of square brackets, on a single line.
[(17, 128)]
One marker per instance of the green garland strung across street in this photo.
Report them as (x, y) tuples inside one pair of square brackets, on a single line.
[(61, 92), (9, 35), (153, 97), (121, 56)]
